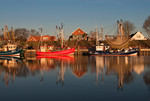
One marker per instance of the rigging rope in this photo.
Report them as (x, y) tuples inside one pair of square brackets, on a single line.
[(114, 25)]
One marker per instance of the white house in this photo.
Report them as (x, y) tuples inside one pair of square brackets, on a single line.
[(138, 36)]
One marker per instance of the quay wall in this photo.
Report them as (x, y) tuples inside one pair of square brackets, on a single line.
[(144, 52), (32, 53)]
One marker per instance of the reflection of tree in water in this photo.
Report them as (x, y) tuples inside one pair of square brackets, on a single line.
[(122, 67), (146, 78), (129, 78)]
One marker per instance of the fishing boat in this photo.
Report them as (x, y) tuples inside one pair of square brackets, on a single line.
[(62, 52), (9, 49), (48, 50), (117, 45), (130, 52)]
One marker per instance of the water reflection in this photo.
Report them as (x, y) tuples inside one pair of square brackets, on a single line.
[(122, 67), (125, 69), (9, 68)]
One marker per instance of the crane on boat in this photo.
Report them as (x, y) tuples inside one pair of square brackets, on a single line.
[(7, 35)]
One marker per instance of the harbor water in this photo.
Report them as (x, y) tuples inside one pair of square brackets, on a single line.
[(75, 78)]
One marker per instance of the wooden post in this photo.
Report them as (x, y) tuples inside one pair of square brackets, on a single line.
[(139, 50), (78, 50)]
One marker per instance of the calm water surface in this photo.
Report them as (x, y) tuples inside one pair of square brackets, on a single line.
[(79, 78)]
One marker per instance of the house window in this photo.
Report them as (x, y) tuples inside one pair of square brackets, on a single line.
[(138, 36), (45, 38)]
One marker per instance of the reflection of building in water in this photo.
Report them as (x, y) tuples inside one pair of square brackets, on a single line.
[(80, 66), (122, 67), (100, 63), (138, 66)]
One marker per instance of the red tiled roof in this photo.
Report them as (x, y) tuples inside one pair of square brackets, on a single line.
[(79, 74), (78, 32), (38, 38)]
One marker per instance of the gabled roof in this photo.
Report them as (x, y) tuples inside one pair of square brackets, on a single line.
[(135, 33), (132, 35), (79, 74), (78, 31)]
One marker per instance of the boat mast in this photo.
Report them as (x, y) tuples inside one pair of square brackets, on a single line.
[(7, 32), (118, 27), (58, 33), (62, 35), (121, 27), (13, 36), (102, 32), (96, 31), (41, 30)]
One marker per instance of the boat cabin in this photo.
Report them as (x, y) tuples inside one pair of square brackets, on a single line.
[(46, 48), (102, 47), (9, 47)]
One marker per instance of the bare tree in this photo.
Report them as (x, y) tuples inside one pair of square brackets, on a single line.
[(146, 25), (34, 32), (128, 27), (22, 34)]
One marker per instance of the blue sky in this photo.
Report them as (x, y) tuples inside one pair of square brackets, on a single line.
[(86, 14)]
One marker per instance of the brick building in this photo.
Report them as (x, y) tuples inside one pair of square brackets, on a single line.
[(78, 34), (43, 38)]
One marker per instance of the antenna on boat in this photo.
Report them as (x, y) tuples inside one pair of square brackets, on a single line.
[(41, 30), (62, 35), (118, 27), (96, 31), (13, 36), (101, 33), (58, 32)]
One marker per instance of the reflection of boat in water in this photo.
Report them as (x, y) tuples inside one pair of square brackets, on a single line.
[(122, 67), (9, 67), (57, 57), (9, 61), (118, 45), (9, 58)]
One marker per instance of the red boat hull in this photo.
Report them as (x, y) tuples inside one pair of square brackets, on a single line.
[(63, 52)]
